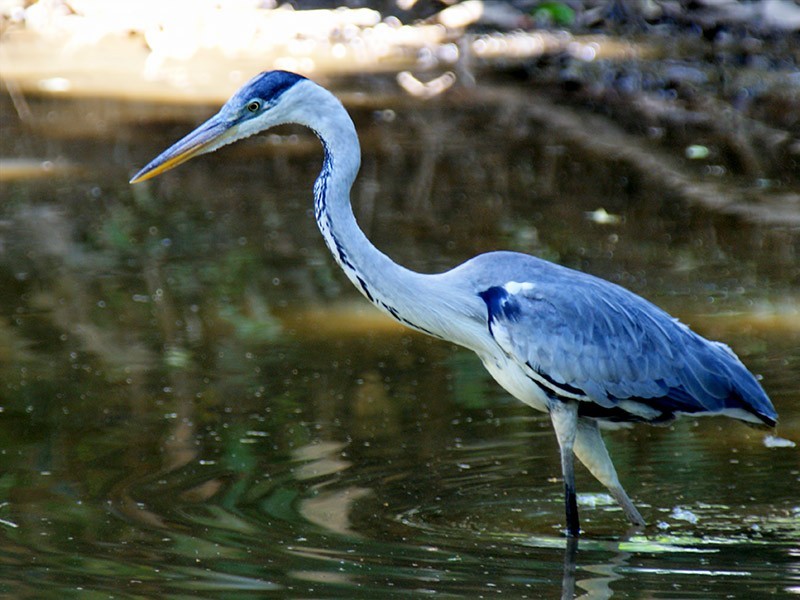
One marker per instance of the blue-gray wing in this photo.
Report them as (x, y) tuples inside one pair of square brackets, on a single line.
[(585, 338)]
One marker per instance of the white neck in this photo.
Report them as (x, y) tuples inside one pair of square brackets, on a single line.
[(411, 298)]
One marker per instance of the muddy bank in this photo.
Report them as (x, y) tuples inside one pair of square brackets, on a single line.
[(693, 94)]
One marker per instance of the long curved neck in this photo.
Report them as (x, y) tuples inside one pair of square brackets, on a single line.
[(406, 295)]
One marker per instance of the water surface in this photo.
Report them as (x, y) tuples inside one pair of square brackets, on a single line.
[(196, 403)]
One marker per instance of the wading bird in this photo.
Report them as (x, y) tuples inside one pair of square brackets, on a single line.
[(579, 348)]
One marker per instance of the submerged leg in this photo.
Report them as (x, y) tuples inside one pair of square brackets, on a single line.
[(564, 416), (568, 578), (592, 452)]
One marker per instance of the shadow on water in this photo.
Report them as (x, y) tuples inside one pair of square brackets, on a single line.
[(196, 404)]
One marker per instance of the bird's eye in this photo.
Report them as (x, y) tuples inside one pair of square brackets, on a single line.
[(253, 106)]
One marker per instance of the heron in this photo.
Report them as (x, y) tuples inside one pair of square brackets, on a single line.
[(585, 351)]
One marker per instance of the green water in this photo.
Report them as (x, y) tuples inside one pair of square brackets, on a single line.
[(196, 403)]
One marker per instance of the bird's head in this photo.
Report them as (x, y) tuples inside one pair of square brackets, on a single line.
[(260, 104)]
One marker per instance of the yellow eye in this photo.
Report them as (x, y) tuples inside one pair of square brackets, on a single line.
[(253, 106)]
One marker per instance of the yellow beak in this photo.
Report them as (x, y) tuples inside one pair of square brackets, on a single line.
[(209, 136)]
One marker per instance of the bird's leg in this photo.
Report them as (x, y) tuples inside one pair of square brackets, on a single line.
[(592, 452), (564, 416), (568, 578)]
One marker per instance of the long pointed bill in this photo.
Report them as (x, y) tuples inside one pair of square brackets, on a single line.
[(210, 135)]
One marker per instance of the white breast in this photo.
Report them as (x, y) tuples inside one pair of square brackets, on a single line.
[(514, 380)]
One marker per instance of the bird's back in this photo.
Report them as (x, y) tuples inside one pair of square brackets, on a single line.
[(586, 338)]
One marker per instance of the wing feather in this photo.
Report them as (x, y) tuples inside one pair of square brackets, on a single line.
[(616, 349)]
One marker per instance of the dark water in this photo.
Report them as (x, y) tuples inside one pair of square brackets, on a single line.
[(195, 403)]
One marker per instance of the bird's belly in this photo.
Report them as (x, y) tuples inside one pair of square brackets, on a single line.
[(514, 380)]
